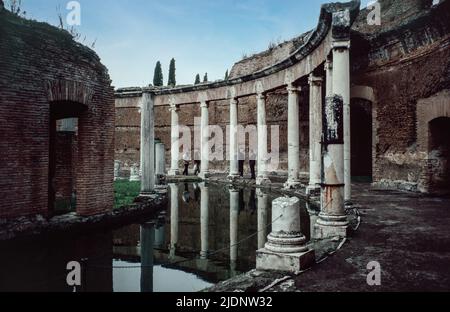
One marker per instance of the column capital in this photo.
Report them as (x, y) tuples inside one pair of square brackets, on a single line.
[(293, 89), (234, 101), (341, 45), (204, 104), (314, 80), (261, 96), (174, 108)]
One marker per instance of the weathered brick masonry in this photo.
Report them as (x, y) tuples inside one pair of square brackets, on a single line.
[(44, 76)]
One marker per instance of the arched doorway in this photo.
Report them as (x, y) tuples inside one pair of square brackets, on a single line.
[(439, 155), (361, 140), (63, 147)]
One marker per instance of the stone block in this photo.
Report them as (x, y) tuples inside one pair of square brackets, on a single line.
[(285, 262)]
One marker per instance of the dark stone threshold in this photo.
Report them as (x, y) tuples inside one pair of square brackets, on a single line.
[(37, 225)]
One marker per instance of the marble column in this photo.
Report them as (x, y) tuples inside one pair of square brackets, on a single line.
[(332, 221), (204, 221), (147, 244), (263, 200), (175, 142), (205, 152), (117, 167), (286, 248), (147, 144), (174, 219), (234, 227), (234, 164), (160, 162), (293, 138), (262, 177), (315, 134), (329, 77), (341, 87)]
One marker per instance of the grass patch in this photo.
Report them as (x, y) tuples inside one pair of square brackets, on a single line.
[(125, 192)]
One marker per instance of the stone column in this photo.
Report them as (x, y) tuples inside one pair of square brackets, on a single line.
[(262, 218), (160, 162), (286, 249), (234, 227), (175, 144), (204, 221), (160, 233), (315, 134), (117, 165), (148, 144), (262, 177), (293, 138), (134, 173), (204, 172), (341, 87), (147, 243), (174, 211), (234, 165), (329, 77), (332, 221)]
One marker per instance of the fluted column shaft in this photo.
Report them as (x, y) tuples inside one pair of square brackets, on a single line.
[(234, 165), (175, 141), (315, 133), (262, 176), (293, 137)]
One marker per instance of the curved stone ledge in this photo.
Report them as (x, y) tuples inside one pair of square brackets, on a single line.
[(38, 225)]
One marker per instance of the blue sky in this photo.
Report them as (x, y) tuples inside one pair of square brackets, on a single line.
[(202, 35)]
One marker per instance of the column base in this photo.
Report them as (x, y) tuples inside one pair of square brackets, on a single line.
[(234, 177), (328, 226), (147, 194), (263, 181), (173, 173), (204, 175), (292, 184), (284, 262), (313, 190), (135, 179)]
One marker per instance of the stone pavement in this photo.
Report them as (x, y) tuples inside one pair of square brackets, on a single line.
[(408, 234)]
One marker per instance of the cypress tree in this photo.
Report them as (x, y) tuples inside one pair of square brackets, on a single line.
[(205, 78), (158, 75), (197, 79), (172, 80), (226, 75)]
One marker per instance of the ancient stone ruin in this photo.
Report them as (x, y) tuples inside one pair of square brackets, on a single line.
[(56, 123), (395, 108)]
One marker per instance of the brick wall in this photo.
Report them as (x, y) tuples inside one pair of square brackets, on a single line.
[(39, 65)]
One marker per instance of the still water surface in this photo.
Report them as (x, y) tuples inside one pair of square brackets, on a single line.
[(207, 234)]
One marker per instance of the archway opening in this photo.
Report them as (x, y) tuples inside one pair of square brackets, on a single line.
[(361, 140), (63, 150), (439, 156)]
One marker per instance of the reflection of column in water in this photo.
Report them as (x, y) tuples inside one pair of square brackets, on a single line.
[(173, 219), (147, 242), (204, 221), (160, 231), (234, 218), (262, 218)]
